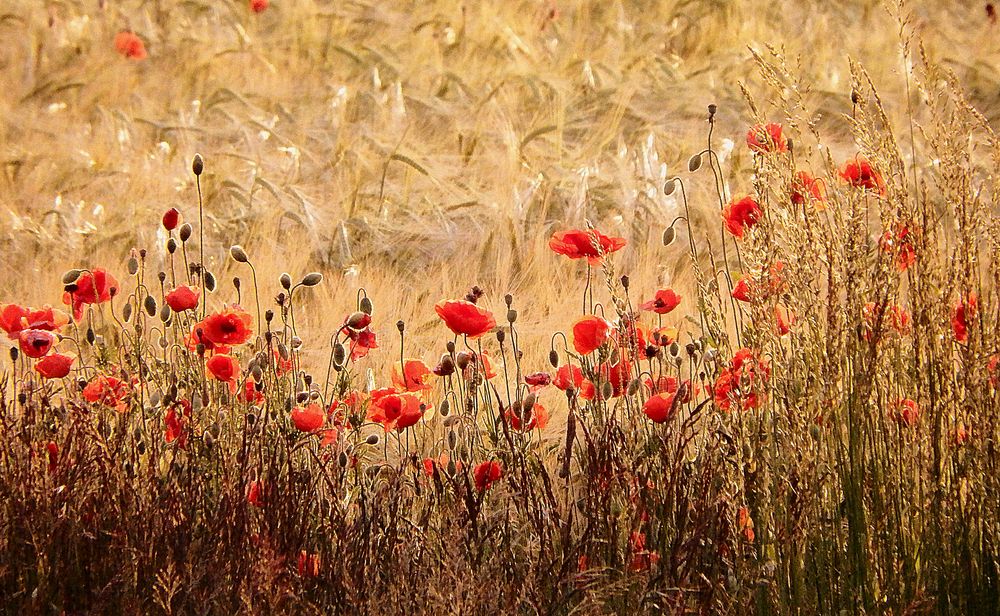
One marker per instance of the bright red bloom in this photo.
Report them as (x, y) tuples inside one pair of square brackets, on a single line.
[(465, 318), (259, 6), (183, 298), (130, 45), (664, 301), (664, 336), (577, 244), (395, 410), (362, 341), (255, 494), (741, 214), (906, 412), (52, 450), (766, 138), (251, 395), (174, 423), (524, 421), (230, 326), (35, 343), (224, 368), (15, 319), (663, 385), (859, 173), (107, 391), (537, 380), (569, 376), (486, 474), (170, 219), (441, 462), (742, 382), (783, 319), (308, 565), (660, 407), (54, 366), (197, 336), (308, 418), (808, 189), (93, 287), (618, 375), (902, 242), (963, 312), (589, 333), (414, 378), (741, 290)]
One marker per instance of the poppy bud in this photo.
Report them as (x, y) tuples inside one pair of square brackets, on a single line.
[(528, 403), (170, 219), (372, 439), (668, 236), (674, 348), (365, 305), (451, 421), (452, 468), (71, 276), (607, 390), (501, 336), (236, 283), (133, 265), (511, 316), (312, 279), (150, 305), (446, 366), (463, 359), (13, 353), (339, 354), (855, 97), (400, 325), (283, 351), (301, 397), (633, 387), (690, 348), (694, 163), (358, 320), (268, 315), (444, 408), (238, 254), (554, 358), (186, 231), (508, 299), (286, 281), (209, 281), (452, 439), (625, 282), (171, 245), (343, 459), (669, 187), (198, 164), (127, 312), (450, 346), (711, 110), (296, 343)]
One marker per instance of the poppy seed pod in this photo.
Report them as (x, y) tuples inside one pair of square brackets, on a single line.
[(668, 236), (694, 163), (554, 358), (450, 346), (133, 266), (373, 439), (511, 316), (185, 232), (669, 187), (365, 305), (71, 276), (268, 315), (198, 164), (286, 281), (209, 281), (625, 282), (312, 279), (150, 305), (238, 254)]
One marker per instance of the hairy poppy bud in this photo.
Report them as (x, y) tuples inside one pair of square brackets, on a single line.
[(150, 305), (343, 459), (198, 164), (268, 315), (712, 108), (670, 186), (127, 312), (133, 266), (171, 245), (170, 219), (668, 236), (238, 254), (463, 359), (446, 366), (508, 299), (301, 397), (339, 354), (674, 348), (694, 163), (607, 390), (365, 305), (186, 231), (71, 276), (358, 320), (161, 276), (452, 439), (633, 387), (400, 325), (444, 408), (373, 439), (209, 281), (450, 346), (312, 279), (286, 281), (554, 358), (511, 316), (625, 282), (13, 353), (528, 403), (283, 351), (501, 336)]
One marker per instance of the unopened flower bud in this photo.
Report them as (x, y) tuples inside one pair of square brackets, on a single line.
[(198, 164)]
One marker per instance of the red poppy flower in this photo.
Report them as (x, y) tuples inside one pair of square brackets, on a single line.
[(741, 290), (664, 301), (224, 368), (618, 375), (35, 343), (362, 341), (764, 138), (308, 418), (130, 45), (486, 474), (525, 421), (742, 382), (480, 362), (569, 376), (259, 6), (441, 462), (107, 391), (537, 380), (52, 450), (577, 244), (642, 559), (664, 336), (255, 494), (663, 385), (197, 336), (174, 423), (54, 366), (963, 312), (859, 173), (394, 409), (230, 326), (906, 412), (308, 565), (783, 319), (15, 319), (251, 395), (414, 378), (660, 407), (465, 318), (93, 287), (741, 214), (183, 298), (961, 435), (807, 189), (745, 524), (902, 242), (589, 333), (170, 219), (897, 317)]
